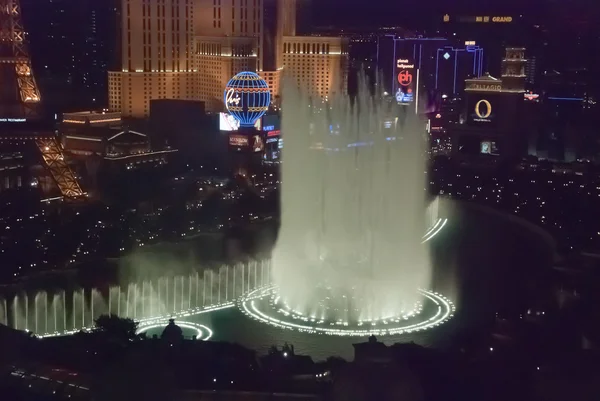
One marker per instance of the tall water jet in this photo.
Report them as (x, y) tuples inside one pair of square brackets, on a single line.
[(20, 311), (78, 310), (38, 309), (58, 313), (3, 312), (353, 209), (98, 305)]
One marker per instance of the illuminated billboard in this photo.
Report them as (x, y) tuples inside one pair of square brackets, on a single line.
[(483, 109), (227, 122), (258, 144), (239, 140), (406, 81), (489, 148), (271, 122)]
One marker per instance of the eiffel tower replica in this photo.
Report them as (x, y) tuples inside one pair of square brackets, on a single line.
[(19, 93), (20, 102)]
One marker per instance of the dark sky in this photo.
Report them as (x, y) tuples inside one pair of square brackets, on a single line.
[(397, 12)]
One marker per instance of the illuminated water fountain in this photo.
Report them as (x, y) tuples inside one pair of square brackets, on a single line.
[(3, 312), (352, 255), (63, 312), (351, 251)]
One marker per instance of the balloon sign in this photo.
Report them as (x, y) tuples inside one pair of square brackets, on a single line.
[(247, 97)]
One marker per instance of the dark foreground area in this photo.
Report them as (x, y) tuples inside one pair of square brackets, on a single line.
[(107, 365)]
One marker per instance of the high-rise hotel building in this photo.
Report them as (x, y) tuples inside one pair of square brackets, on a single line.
[(228, 40), (157, 55), (188, 49), (319, 64)]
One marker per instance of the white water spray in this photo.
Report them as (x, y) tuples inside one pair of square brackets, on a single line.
[(353, 209)]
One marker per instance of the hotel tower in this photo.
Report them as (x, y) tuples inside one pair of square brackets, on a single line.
[(188, 49)]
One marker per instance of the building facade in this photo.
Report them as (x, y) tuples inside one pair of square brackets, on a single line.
[(220, 58), (188, 50), (493, 122), (319, 64), (157, 56)]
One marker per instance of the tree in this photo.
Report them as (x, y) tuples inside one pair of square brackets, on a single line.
[(117, 329)]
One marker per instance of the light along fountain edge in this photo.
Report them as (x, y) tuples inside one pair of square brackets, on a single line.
[(440, 310), (433, 231), (202, 332), (437, 310)]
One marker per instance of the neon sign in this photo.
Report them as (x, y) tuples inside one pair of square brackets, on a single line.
[(273, 133), (404, 64), (247, 98), (531, 96), (13, 120), (479, 86), (498, 19), (232, 98), (483, 115), (405, 89), (405, 78)]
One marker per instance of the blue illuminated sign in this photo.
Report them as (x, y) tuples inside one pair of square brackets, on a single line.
[(404, 97), (247, 97)]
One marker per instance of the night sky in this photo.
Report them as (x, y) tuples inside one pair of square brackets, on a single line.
[(420, 12)]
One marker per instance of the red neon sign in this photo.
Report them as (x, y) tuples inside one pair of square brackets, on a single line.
[(531, 96), (405, 78), (273, 133)]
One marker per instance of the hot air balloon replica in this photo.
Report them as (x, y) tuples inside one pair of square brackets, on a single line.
[(247, 98)]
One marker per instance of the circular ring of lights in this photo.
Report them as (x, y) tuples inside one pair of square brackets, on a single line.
[(288, 312), (202, 332), (440, 310)]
